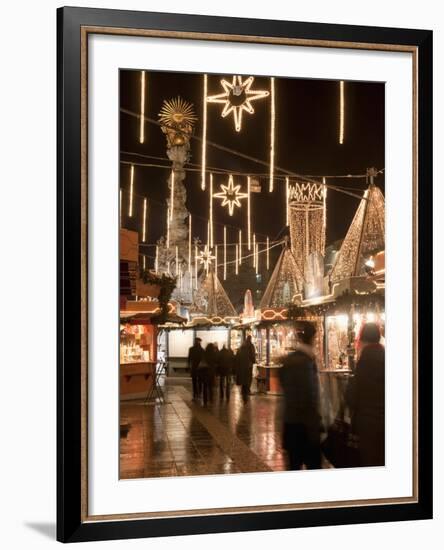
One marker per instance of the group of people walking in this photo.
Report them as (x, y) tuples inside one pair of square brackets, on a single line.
[(209, 363)]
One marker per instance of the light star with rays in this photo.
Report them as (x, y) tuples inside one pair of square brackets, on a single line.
[(230, 195), (206, 258), (237, 98)]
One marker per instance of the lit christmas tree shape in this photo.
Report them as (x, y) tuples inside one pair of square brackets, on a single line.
[(237, 98), (230, 195), (206, 258)]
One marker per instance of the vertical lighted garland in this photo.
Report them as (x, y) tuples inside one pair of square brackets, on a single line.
[(225, 253), (287, 200), (142, 107), (249, 212), (324, 213), (254, 250), (272, 132), (195, 266), (204, 132), (268, 253), (172, 195), (240, 246), (211, 239), (189, 246), (177, 260), (215, 260), (130, 207), (341, 112), (144, 220), (156, 261), (257, 258), (237, 260), (168, 228)]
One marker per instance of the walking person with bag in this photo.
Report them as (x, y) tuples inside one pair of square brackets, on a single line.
[(300, 384)]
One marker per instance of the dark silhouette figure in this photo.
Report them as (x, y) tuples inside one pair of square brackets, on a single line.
[(209, 372), (245, 358), (226, 366), (195, 356), (300, 384), (365, 397)]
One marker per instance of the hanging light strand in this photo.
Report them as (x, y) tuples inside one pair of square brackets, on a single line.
[(189, 244), (225, 253), (272, 132), (168, 228), (257, 258), (268, 253), (172, 195), (142, 107), (144, 220), (249, 212), (211, 244), (254, 250), (237, 260), (215, 260), (287, 199), (130, 207), (204, 132), (240, 246), (156, 261)]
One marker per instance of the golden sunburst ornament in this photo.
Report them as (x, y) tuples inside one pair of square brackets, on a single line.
[(237, 98), (177, 119), (230, 195)]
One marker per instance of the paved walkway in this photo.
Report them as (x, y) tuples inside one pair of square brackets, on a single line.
[(180, 437)]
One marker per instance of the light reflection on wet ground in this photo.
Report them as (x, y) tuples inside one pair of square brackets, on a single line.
[(180, 437)]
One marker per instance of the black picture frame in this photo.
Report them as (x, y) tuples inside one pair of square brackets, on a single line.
[(71, 525)]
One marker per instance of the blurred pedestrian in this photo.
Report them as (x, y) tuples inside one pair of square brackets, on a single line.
[(210, 358), (195, 356), (245, 358), (366, 397), (300, 384), (226, 365)]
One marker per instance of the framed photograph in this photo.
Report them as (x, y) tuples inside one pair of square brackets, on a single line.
[(244, 274)]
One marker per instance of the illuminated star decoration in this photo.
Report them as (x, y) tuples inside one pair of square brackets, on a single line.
[(206, 258), (230, 195), (237, 98)]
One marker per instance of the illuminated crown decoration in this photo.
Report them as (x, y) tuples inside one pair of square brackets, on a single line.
[(365, 237), (177, 121), (307, 221)]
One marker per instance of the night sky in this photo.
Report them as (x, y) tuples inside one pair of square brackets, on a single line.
[(306, 143)]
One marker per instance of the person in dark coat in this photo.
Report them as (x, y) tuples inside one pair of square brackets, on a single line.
[(195, 356), (300, 385), (209, 372), (226, 365), (245, 358), (366, 398)]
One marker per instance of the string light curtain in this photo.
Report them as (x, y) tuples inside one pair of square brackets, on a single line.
[(341, 111), (142, 107), (204, 131), (272, 131)]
